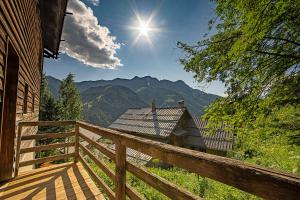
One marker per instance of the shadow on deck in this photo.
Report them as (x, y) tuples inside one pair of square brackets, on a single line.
[(62, 181)]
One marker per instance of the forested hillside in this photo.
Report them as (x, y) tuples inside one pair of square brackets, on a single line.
[(105, 100)]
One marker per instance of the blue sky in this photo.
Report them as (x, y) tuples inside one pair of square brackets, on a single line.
[(177, 20)]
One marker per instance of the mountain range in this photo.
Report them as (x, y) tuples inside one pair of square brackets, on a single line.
[(105, 100)]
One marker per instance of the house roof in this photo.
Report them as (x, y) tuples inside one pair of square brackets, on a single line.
[(220, 140), (162, 122), (159, 122), (52, 16)]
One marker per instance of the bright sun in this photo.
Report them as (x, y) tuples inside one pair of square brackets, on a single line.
[(143, 28)]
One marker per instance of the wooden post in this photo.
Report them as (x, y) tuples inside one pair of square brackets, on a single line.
[(76, 142), (18, 150), (120, 170)]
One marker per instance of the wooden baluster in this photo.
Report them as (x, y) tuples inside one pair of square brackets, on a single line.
[(18, 150), (120, 170), (76, 142)]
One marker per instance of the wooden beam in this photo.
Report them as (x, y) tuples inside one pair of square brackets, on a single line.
[(99, 163), (76, 142), (47, 123), (133, 194), (47, 136), (120, 170), (260, 181), (103, 149), (46, 147), (97, 179), (47, 159), (170, 190), (18, 150)]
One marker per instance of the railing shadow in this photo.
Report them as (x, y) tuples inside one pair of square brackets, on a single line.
[(66, 181)]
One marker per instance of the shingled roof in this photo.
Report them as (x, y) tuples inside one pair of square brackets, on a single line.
[(158, 122), (221, 140), (161, 122)]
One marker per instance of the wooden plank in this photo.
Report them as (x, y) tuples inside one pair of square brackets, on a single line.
[(162, 185), (2, 33), (2, 48), (18, 150), (48, 123), (17, 40), (1, 85), (47, 136), (10, 14), (2, 62), (47, 159), (60, 181), (133, 194), (103, 149), (97, 179), (76, 142), (260, 181), (99, 163), (120, 170), (46, 147)]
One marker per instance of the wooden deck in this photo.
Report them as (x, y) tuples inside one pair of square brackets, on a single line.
[(63, 181)]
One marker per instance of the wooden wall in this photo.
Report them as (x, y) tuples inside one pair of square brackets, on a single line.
[(20, 26)]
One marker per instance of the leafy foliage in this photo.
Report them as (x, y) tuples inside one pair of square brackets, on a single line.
[(68, 107), (49, 110), (69, 100), (255, 52)]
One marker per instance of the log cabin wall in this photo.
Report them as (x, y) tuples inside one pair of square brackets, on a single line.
[(20, 29)]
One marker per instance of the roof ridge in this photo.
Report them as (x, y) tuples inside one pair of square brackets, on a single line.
[(173, 107)]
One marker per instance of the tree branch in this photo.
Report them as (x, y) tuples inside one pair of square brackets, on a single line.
[(278, 54), (283, 39)]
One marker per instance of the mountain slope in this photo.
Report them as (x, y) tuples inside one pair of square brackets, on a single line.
[(104, 104), (53, 84), (105, 99)]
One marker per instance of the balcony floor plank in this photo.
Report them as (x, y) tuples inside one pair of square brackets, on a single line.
[(62, 181)]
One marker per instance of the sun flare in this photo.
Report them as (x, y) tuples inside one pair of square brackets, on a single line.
[(145, 28)]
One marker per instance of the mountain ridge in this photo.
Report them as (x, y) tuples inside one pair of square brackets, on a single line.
[(100, 97)]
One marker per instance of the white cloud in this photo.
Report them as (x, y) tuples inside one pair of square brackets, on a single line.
[(95, 2), (86, 40)]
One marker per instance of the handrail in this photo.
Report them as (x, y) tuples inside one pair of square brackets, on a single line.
[(47, 123), (20, 138), (260, 181)]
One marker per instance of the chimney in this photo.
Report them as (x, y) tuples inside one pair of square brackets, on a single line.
[(180, 103), (153, 105)]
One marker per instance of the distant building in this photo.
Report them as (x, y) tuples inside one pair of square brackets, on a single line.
[(176, 126)]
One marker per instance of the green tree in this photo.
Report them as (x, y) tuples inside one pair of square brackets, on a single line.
[(255, 51), (69, 100), (256, 48), (49, 110)]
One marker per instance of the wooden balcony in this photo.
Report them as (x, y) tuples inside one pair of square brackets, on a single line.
[(55, 180), (61, 181)]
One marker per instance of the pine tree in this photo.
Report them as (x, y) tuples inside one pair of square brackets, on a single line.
[(69, 100), (49, 110)]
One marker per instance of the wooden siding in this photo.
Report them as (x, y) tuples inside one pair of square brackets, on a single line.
[(20, 26)]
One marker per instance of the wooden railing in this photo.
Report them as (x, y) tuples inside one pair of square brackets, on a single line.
[(40, 148), (263, 182)]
